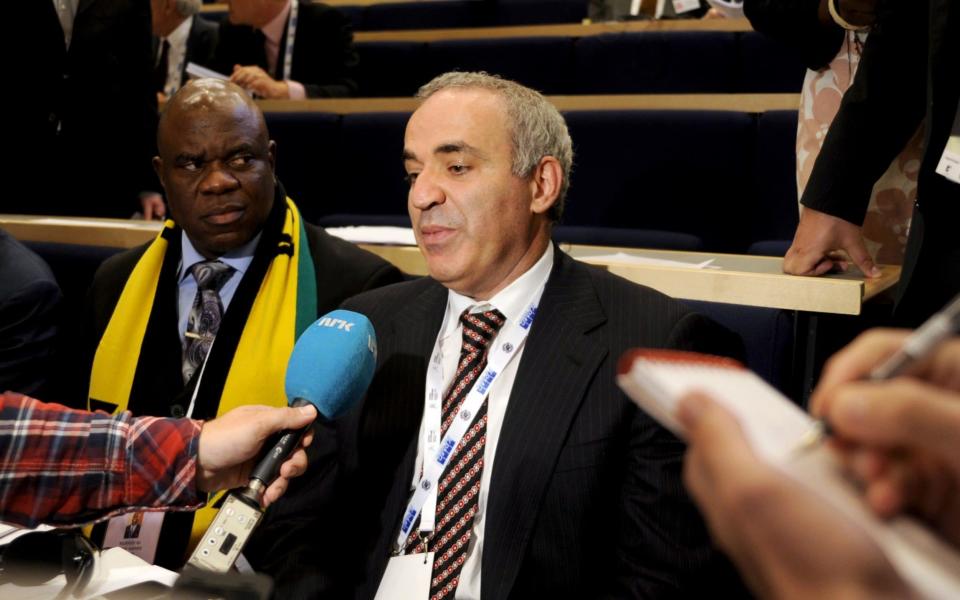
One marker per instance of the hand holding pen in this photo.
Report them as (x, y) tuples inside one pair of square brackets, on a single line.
[(899, 437)]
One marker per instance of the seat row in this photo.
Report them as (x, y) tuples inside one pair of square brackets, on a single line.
[(648, 62), (700, 180), (453, 14)]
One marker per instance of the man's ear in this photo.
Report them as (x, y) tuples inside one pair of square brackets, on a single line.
[(545, 184), (272, 154)]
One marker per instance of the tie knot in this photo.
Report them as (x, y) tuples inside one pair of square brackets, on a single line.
[(211, 274), (481, 327)]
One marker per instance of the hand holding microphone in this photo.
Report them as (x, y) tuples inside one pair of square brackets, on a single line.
[(229, 445), (330, 368)]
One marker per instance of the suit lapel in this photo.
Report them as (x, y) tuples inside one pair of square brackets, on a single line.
[(392, 420), (561, 356)]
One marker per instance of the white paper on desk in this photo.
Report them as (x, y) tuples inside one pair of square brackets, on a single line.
[(774, 426), (623, 257), (368, 234), (196, 71)]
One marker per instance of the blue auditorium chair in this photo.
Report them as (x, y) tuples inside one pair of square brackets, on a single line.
[(680, 171), (768, 338), (308, 150), (542, 63), (370, 168), (391, 69), (538, 12), (774, 215), (355, 14), (655, 62), (427, 15), (766, 66)]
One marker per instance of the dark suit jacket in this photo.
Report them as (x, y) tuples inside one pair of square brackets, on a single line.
[(908, 72), (201, 44), (342, 270), (29, 311), (324, 58), (796, 23), (89, 115), (586, 498)]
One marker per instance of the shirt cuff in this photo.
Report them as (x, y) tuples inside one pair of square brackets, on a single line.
[(296, 90)]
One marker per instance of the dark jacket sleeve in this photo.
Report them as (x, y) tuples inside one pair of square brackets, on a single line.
[(878, 114), (796, 23), (325, 59), (656, 506)]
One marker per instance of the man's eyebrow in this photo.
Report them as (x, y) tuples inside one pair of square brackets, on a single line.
[(448, 148), (241, 147), (458, 147), (188, 157)]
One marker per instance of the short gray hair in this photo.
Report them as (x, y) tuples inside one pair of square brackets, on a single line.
[(537, 127), (188, 8)]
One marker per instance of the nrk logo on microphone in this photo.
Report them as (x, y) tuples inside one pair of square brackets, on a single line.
[(528, 318), (335, 323)]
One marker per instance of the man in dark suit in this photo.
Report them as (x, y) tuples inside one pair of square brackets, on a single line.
[(287, 49), (85, 109), (236, 266), (29, 316), (919, 42), (180, 36), (558, 486)]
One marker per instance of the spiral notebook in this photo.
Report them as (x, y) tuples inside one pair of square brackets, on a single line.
[(775, 427)]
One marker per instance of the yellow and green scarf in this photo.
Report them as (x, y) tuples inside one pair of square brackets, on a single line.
[(285, 305)]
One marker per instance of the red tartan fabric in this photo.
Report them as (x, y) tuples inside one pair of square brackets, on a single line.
[(64, 467)]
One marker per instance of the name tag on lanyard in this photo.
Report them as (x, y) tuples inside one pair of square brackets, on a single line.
[(436, 456), (407, 577)]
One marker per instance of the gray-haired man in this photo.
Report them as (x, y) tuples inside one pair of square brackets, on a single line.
[(493, 450)]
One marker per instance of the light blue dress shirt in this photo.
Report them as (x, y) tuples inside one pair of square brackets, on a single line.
[(239, 259)]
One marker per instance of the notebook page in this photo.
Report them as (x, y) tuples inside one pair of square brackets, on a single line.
[(774, 426)]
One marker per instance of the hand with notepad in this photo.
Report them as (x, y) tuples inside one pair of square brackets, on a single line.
[(786, 541), (901, 438)]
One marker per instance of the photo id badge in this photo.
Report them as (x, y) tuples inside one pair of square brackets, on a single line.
[(136, 532), (407, 578), (949, 165)]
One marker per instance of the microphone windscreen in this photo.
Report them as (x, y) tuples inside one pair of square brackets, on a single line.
[(333, 362)]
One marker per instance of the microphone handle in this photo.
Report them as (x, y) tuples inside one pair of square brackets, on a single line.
[(269, 466)]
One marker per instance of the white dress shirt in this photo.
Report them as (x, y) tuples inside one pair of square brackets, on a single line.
[(511, 301), (66, 12), (176, 55)]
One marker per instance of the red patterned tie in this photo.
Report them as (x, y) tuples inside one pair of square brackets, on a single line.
[(459, 487)]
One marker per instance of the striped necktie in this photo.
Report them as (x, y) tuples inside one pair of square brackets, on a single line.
[(459, 486)]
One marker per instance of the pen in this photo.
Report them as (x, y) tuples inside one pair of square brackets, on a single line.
[(917, 346)]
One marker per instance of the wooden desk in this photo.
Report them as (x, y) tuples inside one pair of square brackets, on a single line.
[(573, 30), (748, 280), (752, 103)]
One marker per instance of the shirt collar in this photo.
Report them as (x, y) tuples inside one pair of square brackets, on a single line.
[(180, 33), (238, 258), (511, 300), (273, 30)]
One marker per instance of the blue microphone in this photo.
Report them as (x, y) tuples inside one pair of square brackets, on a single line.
[(331, 367)]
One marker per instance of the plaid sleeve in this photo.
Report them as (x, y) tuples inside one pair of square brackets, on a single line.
[(64, 466)]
